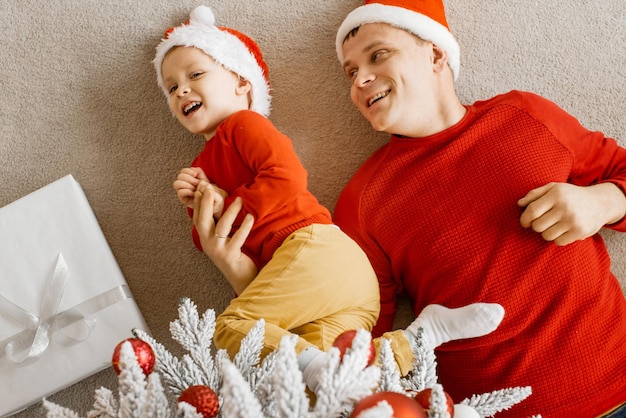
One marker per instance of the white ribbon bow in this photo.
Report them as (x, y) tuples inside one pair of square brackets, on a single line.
[(35, 339)]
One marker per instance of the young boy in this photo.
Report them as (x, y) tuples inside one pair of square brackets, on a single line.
[(307, 277)]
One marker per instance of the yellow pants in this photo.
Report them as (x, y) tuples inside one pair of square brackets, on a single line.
[(318, 284)]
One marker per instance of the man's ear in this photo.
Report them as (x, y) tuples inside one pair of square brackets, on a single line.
[(243, 87), (439, 59)]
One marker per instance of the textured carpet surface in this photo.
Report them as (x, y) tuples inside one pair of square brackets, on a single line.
[(79, 97)]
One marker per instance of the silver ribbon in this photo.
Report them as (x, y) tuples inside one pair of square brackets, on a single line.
[(35, 339)]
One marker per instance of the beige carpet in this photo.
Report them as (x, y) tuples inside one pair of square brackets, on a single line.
[(79, 96)]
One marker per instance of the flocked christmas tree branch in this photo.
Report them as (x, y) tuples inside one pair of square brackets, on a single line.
[(248, 387)]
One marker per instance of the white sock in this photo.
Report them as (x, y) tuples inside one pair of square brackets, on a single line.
[(441, 324), (311, 361)]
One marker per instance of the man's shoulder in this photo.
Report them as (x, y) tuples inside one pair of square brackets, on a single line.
[(523, 100), (371, 169), (511, 97)]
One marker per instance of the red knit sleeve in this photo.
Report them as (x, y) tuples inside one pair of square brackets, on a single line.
[(597, 158), (269, 153)]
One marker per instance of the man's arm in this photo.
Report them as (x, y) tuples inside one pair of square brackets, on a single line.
[(225, 252), (564, 213)]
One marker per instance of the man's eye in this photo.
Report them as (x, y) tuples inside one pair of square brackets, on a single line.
[(376, 55)]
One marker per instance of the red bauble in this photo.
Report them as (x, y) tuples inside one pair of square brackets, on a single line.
[(344, 341), (203, 398), (402, 405), (143, 352), (423, 398)]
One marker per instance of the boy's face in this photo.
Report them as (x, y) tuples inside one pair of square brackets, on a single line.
[(390, 71), (202, 93)]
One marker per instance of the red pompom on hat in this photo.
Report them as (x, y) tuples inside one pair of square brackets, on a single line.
[(424, 18), (230, 48)]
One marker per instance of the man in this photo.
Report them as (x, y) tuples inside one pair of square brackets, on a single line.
[(498, 201)]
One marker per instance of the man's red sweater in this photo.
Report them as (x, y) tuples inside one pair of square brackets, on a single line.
[(438, 219)]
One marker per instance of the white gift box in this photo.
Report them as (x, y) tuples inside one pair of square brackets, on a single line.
[(64, 303)]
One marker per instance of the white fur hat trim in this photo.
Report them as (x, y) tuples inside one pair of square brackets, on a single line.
[(416, 23), (225, 48)]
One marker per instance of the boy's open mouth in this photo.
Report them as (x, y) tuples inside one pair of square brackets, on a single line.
[(191, 107)]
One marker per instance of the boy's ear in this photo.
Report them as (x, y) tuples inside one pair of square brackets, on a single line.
[(243, 87)]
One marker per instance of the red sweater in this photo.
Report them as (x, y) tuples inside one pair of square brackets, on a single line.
[(249, 157), (438, 219)]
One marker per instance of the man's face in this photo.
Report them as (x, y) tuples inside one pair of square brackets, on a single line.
[(390, 71)]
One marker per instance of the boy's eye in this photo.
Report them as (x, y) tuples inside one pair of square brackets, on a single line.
[(351, 73), (172, 89), (196, 74)]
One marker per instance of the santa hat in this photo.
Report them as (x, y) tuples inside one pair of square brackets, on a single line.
[(232, 49), (424, 18)]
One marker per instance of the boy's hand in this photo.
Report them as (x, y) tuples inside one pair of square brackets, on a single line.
[(564, 213), (186, 184), (219, 195)]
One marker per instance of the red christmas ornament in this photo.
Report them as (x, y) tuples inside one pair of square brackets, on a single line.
[(203, 398), (402, 405), (143, 352), (423, 398), (344, 341)]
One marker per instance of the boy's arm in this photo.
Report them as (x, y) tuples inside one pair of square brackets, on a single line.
[(279, 176)]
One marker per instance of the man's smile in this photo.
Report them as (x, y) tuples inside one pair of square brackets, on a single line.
[(377, 97)]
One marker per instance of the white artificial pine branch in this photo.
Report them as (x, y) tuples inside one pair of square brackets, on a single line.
[(389, 373), (424, 373), (195, 335), (105, 405), (274, 388), (131, 383), (187, 411), (156, 404), (287, 383), (263, 389), (239, 402), (176, 375), (381, 410), (56, 411), (249, 354), (345, 382), (438, 404), (489, 404), (194, 373)]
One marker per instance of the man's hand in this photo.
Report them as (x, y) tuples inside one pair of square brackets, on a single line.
[(564, 213), (224, 251)]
